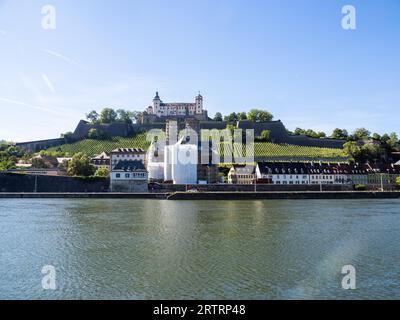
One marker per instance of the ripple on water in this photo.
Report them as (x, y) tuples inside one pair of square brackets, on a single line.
[(138, 249)]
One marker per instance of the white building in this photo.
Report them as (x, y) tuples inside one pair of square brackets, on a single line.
[(290, 173), (101, 161), (155, 161), (162, 109), (126, 154), (241, 174), (127, 170), (129, 176), (282, 173)]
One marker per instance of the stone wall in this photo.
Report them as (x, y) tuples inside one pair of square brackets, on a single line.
[(249, 188), (35, 146), (278, 133), (129, 186), (29, 183)]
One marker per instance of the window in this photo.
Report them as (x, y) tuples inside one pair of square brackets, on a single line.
[(127, 175), (118, 175)]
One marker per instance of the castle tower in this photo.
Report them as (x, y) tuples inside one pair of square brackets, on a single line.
[(199, 104), (157, 105)]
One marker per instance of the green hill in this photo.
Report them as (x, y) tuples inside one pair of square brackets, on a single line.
[(93, 147), (262, 149)]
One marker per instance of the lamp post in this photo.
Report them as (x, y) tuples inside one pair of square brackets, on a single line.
[(320, 181)]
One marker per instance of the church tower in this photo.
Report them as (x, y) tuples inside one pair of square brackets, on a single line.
[(199, 104)]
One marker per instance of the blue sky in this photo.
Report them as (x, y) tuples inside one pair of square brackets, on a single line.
[(291, 57)]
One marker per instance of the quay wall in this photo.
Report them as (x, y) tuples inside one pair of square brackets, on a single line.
[(30, 183), (283, 195)]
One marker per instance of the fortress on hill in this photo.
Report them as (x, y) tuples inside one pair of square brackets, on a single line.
[(156, 115), (160, 111)]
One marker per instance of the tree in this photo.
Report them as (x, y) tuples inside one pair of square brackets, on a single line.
[(242, 116), (352, 150), (230, 128), (398, 181), (96, 134), (265, 135), (80, 165), (299, 132), (218, 116), (393, 140), (257, 115), (93, 117), (311, 133), (340, 134), (361, 134), (102, 172), (38, 163), (137, 115), (370, 152), (108, 115), (376, 137), (233, 117), (125, 116)]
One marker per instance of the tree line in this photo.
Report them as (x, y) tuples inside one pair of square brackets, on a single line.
[(254, 115)]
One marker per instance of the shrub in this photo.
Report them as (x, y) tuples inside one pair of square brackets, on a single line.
[(360, 187)]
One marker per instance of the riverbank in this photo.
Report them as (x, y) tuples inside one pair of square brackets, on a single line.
[(282, 195)]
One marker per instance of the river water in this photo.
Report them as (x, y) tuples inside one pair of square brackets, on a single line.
[(158, 249)]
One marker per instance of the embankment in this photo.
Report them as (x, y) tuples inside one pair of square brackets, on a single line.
[(281, 195), (288, 195)]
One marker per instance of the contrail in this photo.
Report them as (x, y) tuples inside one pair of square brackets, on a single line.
[(62, 57), (48, 83), (20, 103)]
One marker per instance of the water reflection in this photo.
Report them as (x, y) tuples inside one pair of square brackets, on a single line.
[(136, 249)]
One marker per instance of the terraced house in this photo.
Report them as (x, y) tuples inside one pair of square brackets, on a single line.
[(290, 173), (127, 170)]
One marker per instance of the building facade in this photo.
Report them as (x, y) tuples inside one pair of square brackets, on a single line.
[(327, 173), (127, 170), (101, 161), (160, 111), (129, 176), (126, 154), (241, 174)]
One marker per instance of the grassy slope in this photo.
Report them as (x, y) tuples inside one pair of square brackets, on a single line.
[(264, 149), (93, 147)]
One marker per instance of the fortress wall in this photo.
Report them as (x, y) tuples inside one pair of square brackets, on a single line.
[(117, 129), (278, 133), (35, 146)]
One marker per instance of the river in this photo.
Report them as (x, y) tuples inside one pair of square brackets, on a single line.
[(158, 249)]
